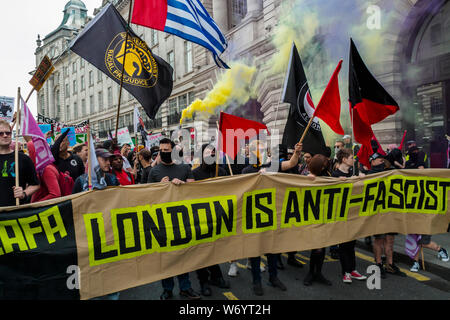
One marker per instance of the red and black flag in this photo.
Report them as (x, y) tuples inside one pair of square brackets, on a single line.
[(296, 93), (370, 103), (104, 44)]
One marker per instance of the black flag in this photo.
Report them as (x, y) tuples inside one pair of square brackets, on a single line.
[(146, 76), (296, 93)]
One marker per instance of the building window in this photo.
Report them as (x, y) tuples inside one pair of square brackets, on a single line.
[(74, 67), (66, 71), (91, 78), (191, 97), (75, 89), (67, 92), (75, 110), (154, 37), (42, 102), (238, 11), (171, 61), (182, 102), (91, 104), (188, 56), (67, 113), (83, 107), (99, 76), (110, 98), (81, 63), (82, 83), (100, 101)]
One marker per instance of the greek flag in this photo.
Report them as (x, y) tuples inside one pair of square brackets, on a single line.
[(187, 19)]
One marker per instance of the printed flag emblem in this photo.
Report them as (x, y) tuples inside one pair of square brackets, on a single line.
[(140, 68)]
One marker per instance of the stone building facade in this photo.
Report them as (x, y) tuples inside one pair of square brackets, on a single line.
[(418, 39)]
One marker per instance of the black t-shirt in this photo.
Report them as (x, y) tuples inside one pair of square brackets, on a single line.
[(73, 164), (145, 174), (338, 173), (202, 173), (27, 176), (179, 171)]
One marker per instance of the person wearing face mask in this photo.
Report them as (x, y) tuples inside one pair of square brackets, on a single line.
[(383, 241), (206, 170), (257, 149), (178, 174)]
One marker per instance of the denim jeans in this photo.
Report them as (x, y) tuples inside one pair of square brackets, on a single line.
[(183, 282), (256, 269)]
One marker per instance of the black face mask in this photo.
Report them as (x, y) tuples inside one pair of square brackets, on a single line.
[(378, 168), (166, 157)]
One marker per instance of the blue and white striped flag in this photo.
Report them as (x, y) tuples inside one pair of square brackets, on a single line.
[(187, 19)]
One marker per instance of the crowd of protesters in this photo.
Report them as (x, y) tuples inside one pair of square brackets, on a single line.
[(120, 165)]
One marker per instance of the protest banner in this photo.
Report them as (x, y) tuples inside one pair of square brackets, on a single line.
[(153, 140), (6, 108), (123, 136), (124, 237), (43, 72)]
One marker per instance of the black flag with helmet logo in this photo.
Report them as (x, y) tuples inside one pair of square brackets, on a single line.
[(146, 76)]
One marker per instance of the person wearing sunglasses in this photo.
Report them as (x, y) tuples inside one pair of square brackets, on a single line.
[(28, 181)]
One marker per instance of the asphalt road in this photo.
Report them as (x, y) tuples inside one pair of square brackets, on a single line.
[(416, 286)]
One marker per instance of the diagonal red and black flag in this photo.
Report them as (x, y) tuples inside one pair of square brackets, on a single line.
[(370, 103)]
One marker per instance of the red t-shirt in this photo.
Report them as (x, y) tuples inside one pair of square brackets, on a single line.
[(49, 185), (124, 178)]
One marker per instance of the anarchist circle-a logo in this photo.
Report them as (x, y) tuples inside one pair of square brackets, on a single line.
[(140, 66)]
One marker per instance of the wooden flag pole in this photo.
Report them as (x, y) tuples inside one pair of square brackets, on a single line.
[(89, 157), (226, 156), (123, 68), (423, 260), (16, 151), (306, 129), (217, 150)]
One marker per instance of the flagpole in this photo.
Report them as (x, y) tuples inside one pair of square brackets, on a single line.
[(218, 147), (123, 67), (16, 150), (306, 129), (89, 157), (226, 155)]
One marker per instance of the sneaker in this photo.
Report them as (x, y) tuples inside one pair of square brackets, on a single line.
[(393, 269), (205, 290), (321, 279), (190, 294), (257, 289), (356, 275), (382, 270), (415, 267), (166, 295), (220, 282), (443, 255), (233, 270), (347, 278), (276, 283)]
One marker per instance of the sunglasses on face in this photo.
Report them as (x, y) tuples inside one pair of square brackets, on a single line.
[(5, 133)]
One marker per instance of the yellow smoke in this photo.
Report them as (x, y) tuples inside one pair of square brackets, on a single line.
[(235, 84)]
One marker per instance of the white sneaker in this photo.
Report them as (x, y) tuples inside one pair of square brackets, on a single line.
[(233, 270), (443, 255), (347, 278), (415, 267)]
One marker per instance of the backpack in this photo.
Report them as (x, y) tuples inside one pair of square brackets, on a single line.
[(66, 183)]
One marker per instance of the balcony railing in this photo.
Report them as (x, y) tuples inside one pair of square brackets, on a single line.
[(174, 118)]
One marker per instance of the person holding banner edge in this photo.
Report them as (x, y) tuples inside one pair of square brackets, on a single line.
[(258, 148), (178, 174)]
